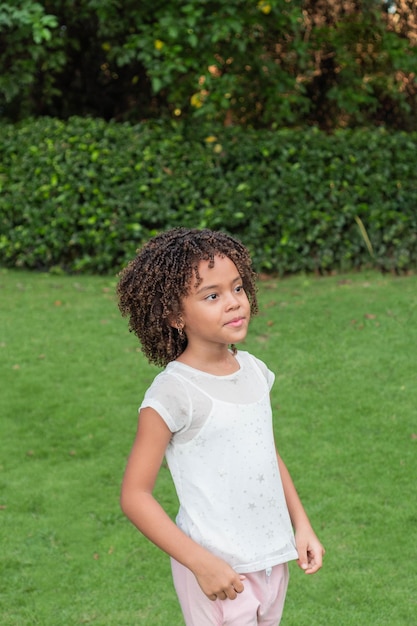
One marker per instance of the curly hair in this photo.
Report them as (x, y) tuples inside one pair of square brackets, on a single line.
[(152, 286)]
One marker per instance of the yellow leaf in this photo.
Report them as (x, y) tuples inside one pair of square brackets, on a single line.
[(264, 6), (196, 100)]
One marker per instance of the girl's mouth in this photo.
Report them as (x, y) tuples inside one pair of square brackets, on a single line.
[(237, 322)]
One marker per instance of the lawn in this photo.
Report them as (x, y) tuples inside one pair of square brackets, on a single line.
[(344, 352)]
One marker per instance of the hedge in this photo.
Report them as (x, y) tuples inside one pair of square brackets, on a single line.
[(83, 194)]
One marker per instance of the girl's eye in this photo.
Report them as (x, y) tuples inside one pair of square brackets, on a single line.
[(239, 288), (212, 296)]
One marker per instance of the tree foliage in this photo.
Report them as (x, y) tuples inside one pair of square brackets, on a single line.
[(261, 62)]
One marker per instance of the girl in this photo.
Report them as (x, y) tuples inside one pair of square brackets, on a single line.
[(189, 295)]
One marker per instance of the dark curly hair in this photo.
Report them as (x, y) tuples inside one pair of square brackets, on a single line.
[(152, 286)]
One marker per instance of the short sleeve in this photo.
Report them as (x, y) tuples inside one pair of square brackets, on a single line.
[(168, 397), (266, 372)]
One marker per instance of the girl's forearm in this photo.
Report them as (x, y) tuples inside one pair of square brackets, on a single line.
[(310, 550), (215, 577), (153, 522)]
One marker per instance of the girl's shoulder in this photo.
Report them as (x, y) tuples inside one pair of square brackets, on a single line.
[(167, 381), (251, 361), (168, 395)]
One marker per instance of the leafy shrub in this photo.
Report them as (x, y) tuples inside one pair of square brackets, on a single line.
[(83, 195)]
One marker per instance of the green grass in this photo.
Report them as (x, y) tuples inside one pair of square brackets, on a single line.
[(344, 352)]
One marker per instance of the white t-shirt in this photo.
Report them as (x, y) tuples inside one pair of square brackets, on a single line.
[(223, 462)]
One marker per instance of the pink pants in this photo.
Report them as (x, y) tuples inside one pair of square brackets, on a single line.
[(261, 602)]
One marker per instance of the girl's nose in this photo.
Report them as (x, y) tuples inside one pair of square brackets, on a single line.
[(233, 302)]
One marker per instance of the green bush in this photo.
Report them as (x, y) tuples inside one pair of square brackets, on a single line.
[(83, 195)]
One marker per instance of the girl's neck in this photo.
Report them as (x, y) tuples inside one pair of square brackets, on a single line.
[(221, 363)]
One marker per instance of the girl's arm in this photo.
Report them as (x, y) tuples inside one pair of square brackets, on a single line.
[(310, 550), (215, 577)]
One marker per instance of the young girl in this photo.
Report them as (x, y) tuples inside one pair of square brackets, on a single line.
[(189, 295)]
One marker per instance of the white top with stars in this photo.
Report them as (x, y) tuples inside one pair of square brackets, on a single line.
[(223, 462)]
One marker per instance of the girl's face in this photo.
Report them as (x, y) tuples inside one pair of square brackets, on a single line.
[(217, 312)]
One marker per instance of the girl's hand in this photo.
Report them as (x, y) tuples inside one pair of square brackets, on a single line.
[(218, 580), (310, 551)]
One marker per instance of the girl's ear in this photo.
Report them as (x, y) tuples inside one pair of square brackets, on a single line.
[(179, 325), (176, 321)]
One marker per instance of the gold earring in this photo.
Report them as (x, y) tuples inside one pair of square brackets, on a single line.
[(180, 327)]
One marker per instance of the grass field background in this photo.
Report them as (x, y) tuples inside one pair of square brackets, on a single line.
[(344, 350)]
